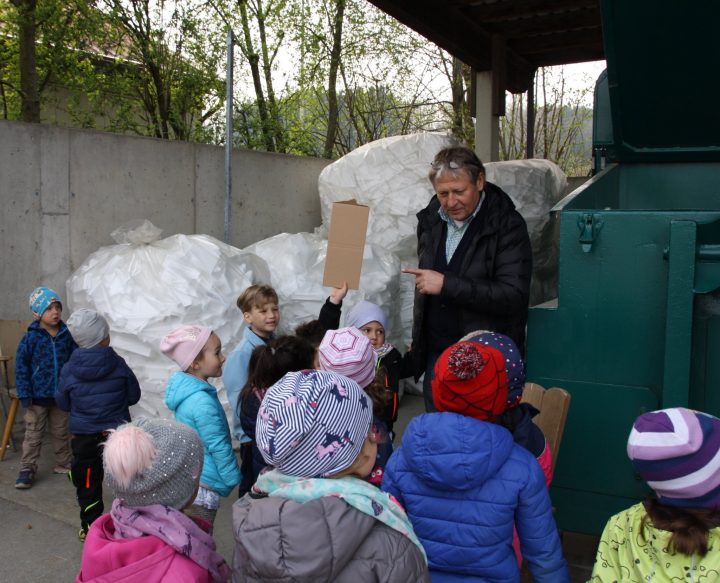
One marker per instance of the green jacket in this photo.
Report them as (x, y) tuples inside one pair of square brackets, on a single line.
[(631, 552)]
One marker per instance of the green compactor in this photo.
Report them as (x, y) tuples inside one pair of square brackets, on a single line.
[(636, 324)]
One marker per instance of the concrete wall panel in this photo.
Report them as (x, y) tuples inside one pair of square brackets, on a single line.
[(55, 170), (115, 179), (20, 224), (210, 191), (55, 256), (271, 193)]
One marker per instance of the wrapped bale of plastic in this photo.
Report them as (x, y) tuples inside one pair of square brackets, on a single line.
[(535, 186), (146, 286), (389, 176), (297, 263)]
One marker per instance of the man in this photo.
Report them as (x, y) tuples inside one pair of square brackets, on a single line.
[(474, 262)]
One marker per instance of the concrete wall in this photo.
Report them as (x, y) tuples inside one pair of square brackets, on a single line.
[(63, 192)]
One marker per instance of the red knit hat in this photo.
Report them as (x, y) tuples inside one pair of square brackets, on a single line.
[(471, 379)]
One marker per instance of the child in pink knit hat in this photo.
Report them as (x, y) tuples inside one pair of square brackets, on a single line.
[(348, 352), (194, 401)]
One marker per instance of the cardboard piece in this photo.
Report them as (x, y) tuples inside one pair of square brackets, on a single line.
[(346, 243)]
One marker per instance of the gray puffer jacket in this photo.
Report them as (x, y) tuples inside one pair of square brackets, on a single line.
[(322, 540)]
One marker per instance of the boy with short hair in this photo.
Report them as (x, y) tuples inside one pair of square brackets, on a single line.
[(40, 355), (259, 307), (97, 387)]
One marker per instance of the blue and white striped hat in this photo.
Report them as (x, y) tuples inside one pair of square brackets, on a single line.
[(313, 423)]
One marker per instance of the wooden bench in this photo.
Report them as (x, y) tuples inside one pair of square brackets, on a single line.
[(553, 405), (10, 413)]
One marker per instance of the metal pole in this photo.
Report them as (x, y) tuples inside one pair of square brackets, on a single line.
[(228, 135), (530, 149)]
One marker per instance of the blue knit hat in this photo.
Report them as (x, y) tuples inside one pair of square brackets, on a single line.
[(513, 361), (41, 298), (313, 423)]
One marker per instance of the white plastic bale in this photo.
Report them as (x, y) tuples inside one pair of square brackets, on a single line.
[(535, 186), (388, 175), (147, 287)]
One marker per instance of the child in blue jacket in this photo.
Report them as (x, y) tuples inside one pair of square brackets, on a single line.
[(97, 387), (40, 356), (198, 352), (464, 482)]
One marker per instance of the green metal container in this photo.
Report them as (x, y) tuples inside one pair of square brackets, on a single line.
[(636, 325)]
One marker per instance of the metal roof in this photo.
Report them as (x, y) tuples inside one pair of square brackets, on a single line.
[(526, 34)]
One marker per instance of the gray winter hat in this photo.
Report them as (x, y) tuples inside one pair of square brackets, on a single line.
[(153, 461), (88, 327)]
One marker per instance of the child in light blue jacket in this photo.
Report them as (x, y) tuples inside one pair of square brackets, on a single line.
[(194, 401)]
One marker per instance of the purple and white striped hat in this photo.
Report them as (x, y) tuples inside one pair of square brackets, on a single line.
[(348, 351), (677, 452), (313, 423)]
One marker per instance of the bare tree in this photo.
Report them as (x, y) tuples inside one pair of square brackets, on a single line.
[(560, 122)]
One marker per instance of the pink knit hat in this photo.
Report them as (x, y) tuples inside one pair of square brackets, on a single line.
[(184, 344), (348, 351)]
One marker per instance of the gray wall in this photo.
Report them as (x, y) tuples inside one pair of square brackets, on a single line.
[(63, 192)]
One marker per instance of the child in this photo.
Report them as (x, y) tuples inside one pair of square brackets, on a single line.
[(312, 331), (464, 482), (153, 467), (268, 364), (42, 352), (311, 518), (517, 417), (675, 535), (96, 387), (194, 401), (259, 306), (331, 310), (370, 319), (348, 352)]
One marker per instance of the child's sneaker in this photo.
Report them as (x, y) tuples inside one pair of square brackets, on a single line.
[(82, 535), (60, 469), (25, 479)]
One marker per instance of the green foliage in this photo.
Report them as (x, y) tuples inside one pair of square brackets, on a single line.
[(141, 66), (312, 77)]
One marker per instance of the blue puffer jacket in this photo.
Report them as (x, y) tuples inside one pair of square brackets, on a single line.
[(97, 387), (195, 403), (463, 483), (38, 361)]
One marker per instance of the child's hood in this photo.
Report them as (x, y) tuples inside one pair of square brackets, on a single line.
[(89, 364), (454, 452), (147, 558), (182, 385)]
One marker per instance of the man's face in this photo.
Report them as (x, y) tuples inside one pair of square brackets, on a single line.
[(459, 195)]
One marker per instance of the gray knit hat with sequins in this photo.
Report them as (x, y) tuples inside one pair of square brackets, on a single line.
[(153, 461)]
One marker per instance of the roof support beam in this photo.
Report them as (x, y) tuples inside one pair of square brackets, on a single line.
[(487, 125)]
